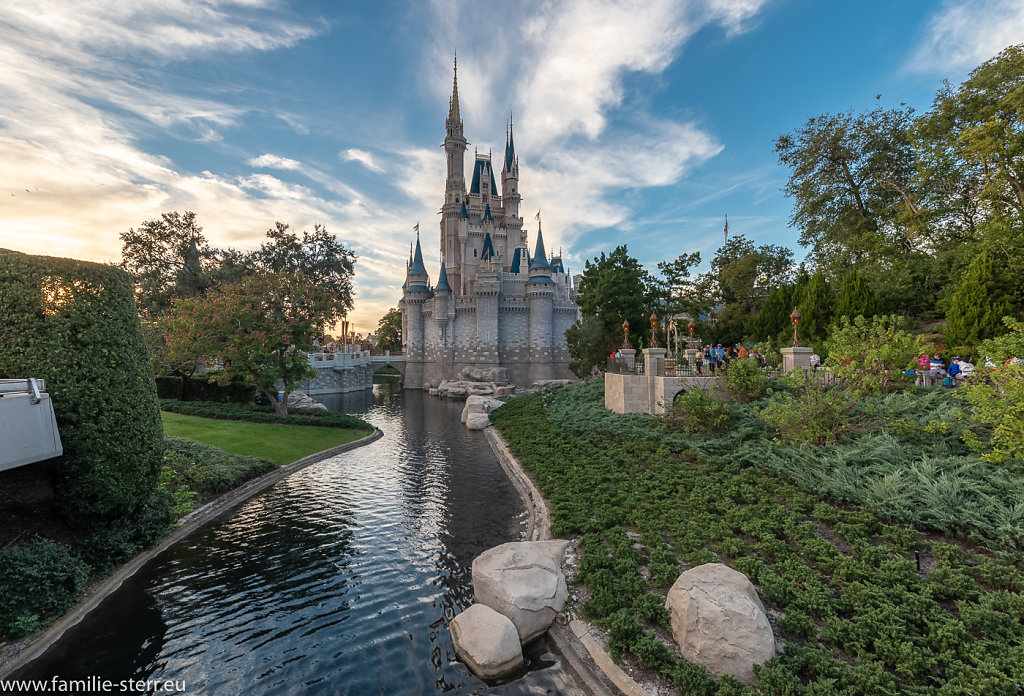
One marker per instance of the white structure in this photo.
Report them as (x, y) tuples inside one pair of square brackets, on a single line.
[(494, 306)]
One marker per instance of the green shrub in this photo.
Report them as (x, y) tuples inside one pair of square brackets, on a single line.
[(809, 411), (872, 355), (38, 581), (209, 470), (997, 394), (202, 389), (75, 324), (745, 380), (697, 411), (263, 414)]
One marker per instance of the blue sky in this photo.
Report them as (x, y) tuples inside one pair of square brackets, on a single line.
[(642, 123)]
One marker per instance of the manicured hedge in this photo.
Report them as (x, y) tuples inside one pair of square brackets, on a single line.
[(75, 324), (40, 580), (199, 389), (263, 414)]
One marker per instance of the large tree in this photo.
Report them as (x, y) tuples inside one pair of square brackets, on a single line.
[(167, 258), (614, 288), (260, 327), (979, 304), (389, 330)]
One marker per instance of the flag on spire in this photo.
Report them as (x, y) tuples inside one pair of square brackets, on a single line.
[(537, 216), (416, 227)]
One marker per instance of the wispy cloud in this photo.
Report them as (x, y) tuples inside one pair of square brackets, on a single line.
[(963, 34), (363, 157)]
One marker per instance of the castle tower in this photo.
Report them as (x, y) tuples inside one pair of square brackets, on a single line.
[(415, 294), (540, 297), (511, 199), (453, 235)]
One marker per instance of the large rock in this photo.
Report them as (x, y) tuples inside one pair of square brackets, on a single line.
[(484, 374), (297, 399), (478, 421), (718, 621), (486, 641), (476, 403), (523, 580)]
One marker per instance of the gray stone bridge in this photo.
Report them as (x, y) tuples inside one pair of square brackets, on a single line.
[(338, 373)]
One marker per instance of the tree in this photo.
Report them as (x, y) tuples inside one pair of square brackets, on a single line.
[(157, 256), (319, 256), (852, 181), (872, 355), (260, 327), (678, 285), (855, 297), (615, 287), (773, 319), (815, 307), (979, 303), (389, 330)]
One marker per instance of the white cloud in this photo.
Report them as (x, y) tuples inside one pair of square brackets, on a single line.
[(963, 34), (274, 162), (363, 157)]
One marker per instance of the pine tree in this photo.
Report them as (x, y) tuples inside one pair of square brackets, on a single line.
[(773, 318), (980, 302), (815, 309), (855, 298)]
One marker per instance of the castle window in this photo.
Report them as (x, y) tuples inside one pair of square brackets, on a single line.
[(474, 253)]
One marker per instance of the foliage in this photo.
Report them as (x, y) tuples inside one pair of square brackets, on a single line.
[(259, 328), (697, 411), (997, 394), (207, 470), (202, 389), (807, 411), (320, 258), (745, 380), (773, 318), (855, 297), (38, 581), (679, 287), (980, 302), (614, 288), (857, 616), (75, 324), (872, 355), (815, 305), (263, 414), (389, 331)]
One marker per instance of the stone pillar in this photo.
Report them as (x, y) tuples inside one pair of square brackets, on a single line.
[(797, 357), (654, 365), (629, 358), (691, 357)]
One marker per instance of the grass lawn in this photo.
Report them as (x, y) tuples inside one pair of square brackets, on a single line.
[(282, 444)]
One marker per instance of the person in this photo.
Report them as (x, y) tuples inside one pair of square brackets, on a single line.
[(720, 356), (954, 371), (618, 355), (966, 368), (710, 360), (936, 367), (815, 361), (742, 352)]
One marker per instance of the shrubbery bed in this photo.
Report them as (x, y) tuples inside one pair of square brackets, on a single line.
[(263, 414)]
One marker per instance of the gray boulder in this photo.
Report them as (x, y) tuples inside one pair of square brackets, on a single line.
[(718, 621), (476, 403), (523, 580), (298, 399), (486, 641)]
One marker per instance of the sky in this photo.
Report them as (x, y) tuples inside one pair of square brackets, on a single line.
[(639, 122)]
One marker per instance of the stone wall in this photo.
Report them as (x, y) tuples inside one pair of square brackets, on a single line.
[(628, 393)]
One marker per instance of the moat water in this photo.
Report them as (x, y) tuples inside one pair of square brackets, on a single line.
[(340, 579)]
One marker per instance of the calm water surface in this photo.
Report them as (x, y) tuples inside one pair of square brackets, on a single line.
[(341, 579)]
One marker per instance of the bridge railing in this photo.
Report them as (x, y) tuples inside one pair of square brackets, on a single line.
[(328, 359)]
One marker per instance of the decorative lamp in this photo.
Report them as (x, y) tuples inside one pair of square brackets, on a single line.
[(795, 316)]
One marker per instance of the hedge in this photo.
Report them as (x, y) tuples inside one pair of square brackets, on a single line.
[(264, 414), (199, 389), (40, 580), (75, 324)]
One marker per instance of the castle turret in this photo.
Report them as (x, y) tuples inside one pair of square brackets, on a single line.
[(510, 195), (540, 296), (453, 233)]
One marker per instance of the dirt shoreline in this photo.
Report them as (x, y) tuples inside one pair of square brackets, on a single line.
[(16, 655)]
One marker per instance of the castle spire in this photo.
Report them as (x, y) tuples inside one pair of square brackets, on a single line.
[(540, 259), (453, 109), (510, 146), (417, 259)]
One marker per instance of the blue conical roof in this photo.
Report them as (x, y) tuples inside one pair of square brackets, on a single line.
[(463, 213), (442, 280), (487, 213), (488, 251), (417, 259), (510, 149), (517, 256), (540, 259)]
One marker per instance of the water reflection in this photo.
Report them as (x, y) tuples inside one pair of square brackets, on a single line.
[(340, 579)]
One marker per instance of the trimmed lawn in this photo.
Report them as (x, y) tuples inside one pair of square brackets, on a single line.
[(282, 444)]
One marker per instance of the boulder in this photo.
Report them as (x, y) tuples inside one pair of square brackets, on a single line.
[(523, 580), (486, 641), (478, 421), (545, 383), (299, 399), (476, 403), (484, 374), (718, 621)]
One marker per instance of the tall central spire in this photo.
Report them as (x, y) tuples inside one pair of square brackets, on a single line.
[(453, 109)]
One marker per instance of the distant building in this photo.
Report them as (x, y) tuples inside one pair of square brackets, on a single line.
[(494, 304)]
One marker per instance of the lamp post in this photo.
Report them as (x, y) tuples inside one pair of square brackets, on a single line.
[(690, 327), (795, 316), (654, 331), (625, 333)]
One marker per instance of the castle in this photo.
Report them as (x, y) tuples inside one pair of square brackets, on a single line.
[(494, 304)]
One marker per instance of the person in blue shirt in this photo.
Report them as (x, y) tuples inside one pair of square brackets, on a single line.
[(954, 371)]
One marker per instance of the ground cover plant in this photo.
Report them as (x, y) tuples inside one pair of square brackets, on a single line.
[(263, 414), (281, 444), (841, 583)]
